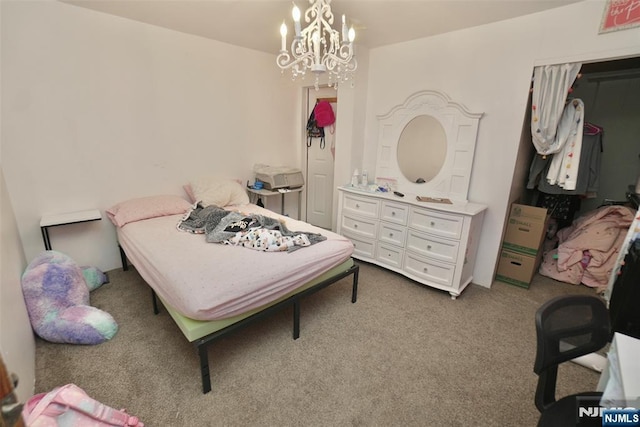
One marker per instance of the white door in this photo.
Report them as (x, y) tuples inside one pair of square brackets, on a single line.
[(320, 163)]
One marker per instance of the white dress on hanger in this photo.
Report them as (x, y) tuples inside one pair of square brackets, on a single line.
[(551, 84), (563, 170)]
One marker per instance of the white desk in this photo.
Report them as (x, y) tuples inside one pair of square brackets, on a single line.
[(281, 192), (620, 382), (64, 219)]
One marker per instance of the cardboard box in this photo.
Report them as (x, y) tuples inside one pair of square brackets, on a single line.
[(526, 229), (517, 268)]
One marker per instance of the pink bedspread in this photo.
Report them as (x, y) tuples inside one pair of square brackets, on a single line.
[(210, 281), (588, 248)]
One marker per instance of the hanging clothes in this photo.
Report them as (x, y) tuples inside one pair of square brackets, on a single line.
[(588, 174), (566, 163), (551, 84)]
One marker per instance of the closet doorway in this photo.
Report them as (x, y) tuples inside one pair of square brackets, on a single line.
[(611, 94), (610, 91), (320, 162)]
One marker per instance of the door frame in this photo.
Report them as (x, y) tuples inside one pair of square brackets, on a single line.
[(304, 104)]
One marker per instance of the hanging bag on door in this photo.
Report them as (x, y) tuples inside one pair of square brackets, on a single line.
[(314, 131), (324, 117), (324, 114)]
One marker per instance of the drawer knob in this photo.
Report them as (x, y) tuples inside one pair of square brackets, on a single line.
[(390, 234), (393, 213), (433, 223), (355, 225), (357, 206), (426, 270), (428, 247)]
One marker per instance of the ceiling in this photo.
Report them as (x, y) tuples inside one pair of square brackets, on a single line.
[(255, 24)]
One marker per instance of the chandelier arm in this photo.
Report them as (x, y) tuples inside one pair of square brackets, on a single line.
[(285, 61), (326, 11), (343, 56), (346, 52)]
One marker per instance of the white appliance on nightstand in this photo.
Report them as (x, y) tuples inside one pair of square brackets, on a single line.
[(275, 177)]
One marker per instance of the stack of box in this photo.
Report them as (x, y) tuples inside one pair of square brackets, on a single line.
[(521, 251)]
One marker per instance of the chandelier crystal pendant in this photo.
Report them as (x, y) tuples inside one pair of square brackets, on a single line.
[(318, 47)]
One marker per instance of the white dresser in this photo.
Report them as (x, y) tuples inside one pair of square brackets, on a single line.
[(432, 243)]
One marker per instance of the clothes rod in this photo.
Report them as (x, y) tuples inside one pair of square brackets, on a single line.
[(614, 75), (329, 100)]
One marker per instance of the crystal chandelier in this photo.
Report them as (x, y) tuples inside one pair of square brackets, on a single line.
[(318, 47)]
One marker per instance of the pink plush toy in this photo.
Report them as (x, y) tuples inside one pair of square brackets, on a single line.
[(56, 292)]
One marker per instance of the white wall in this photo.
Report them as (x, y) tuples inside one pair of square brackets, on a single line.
[(17, 344), (488, 69), (352, 100), (97, 109)]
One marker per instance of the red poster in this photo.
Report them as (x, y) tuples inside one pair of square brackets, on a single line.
[(620, 14)]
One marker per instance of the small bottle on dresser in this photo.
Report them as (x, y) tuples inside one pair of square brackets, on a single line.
[(354, 178), (365, 178)]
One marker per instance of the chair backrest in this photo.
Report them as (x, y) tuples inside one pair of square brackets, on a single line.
[(567, 327)]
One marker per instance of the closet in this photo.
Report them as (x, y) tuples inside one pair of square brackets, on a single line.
[(610, 92)]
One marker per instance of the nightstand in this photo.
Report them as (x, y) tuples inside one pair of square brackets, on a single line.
[(66, 218), (281, 192)]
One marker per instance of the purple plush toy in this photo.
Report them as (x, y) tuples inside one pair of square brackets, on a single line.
[(56, 291)]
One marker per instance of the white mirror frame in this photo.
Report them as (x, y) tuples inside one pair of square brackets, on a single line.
[(461, 128)]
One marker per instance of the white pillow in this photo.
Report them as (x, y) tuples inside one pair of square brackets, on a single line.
[(219, 192)]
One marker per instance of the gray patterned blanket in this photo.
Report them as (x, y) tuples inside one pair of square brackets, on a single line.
[(221, 226)]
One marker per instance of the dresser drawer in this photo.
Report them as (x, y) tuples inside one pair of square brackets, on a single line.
[(395, 213), (390, 255), (391, 233), (433, 247), (363, 248), (428, 269), (442, 224), (362, 206), (358, 226)]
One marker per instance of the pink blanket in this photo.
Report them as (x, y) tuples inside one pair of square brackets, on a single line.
[(589, 247)]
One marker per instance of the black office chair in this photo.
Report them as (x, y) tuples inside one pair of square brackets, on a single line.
[(566, 327)]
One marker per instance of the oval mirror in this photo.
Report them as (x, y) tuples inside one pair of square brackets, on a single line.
[(422, 149)]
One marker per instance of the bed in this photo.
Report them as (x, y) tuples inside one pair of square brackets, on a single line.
[(212, 289)]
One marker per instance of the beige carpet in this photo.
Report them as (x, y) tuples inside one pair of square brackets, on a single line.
[(403, 355)]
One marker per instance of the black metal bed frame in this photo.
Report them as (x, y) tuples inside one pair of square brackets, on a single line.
[(203, 343)]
